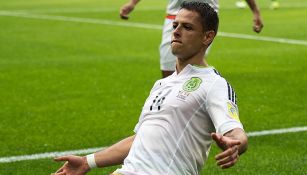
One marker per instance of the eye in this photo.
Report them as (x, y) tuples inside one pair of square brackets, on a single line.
[(187, 27), (175, 26)]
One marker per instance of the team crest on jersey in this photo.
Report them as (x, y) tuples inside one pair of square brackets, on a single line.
[(192, 84), (233, 111)]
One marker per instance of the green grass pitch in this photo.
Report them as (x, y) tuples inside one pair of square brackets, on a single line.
[(68, 85)]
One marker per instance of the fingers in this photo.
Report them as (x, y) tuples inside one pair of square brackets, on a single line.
[(124, 17), (229, 164), (62, 173), (125, 10), (228, 158), (63, 158), (258, 25), (216, 137), (224, 142), (230, 145), (227, 153), (123, 14), (230, 142), (258, 28), (60, 170)]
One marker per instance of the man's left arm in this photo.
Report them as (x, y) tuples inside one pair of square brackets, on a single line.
[(233, 144)]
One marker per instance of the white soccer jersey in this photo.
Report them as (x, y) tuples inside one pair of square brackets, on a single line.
[(173, 135), (174, 5)]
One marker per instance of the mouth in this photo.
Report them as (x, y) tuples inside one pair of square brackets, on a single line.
[(176, 41)]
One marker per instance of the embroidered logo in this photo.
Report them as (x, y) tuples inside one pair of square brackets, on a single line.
[(192, 84)]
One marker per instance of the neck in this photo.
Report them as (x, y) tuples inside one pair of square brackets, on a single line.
[(196, 60)]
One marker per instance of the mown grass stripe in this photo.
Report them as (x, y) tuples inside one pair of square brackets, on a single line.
[(146, 26), (116, 9), (91, 150)]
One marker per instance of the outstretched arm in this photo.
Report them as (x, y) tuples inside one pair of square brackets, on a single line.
[(258, 24), (114, 155), (233, 144), (127, 9)]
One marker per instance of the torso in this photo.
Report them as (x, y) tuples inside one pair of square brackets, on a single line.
[(174, 127)]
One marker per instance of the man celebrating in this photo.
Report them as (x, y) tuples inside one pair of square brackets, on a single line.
[(182, 115)]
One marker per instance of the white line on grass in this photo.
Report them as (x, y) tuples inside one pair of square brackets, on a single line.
[(263, 38), (91, 150), (276, 131), (116, 9), (146, 26), (81, 20), (82, 10), (47, 155)]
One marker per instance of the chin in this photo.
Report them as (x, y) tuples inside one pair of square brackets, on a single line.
[(175, 50)]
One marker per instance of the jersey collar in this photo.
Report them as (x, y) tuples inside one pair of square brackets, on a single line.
[(197, 68)]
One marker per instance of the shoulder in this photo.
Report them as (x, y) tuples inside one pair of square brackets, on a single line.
[(223, 89), (212, 78)]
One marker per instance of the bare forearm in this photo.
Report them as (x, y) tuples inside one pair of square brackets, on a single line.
[(134, 2), (115, 154), (253, 6), (239, 134)]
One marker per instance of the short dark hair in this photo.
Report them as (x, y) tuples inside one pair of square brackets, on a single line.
[(209, 17)]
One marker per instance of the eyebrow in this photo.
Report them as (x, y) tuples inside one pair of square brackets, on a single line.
[(184, 23)]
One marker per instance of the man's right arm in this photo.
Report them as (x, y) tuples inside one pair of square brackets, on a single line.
[(114, 155)]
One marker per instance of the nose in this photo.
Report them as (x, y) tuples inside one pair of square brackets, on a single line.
[(176, 32)]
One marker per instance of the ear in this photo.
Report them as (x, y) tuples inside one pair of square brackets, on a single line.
[(208, 37)]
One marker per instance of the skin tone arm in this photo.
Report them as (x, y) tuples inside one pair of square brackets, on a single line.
[(127, 9), (114, 155), (233, 144), (258, 25)]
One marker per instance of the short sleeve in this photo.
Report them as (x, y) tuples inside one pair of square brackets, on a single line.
[(222, 108)]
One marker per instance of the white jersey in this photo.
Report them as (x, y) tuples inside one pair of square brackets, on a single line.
[(174, 5), (173, 135)]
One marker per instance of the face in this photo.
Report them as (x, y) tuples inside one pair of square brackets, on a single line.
[(188, 35)]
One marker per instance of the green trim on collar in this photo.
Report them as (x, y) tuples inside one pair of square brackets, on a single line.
[(199, 66)]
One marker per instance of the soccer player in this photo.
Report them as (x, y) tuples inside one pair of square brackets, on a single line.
[(167, 59), (242, 4), (183, 114)]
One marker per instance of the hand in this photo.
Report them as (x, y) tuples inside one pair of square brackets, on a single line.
[(125, 10), (258, 25), (230, 154), (74, 165)]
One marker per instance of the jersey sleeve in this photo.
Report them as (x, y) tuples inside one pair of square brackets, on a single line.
[(222, 108)]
